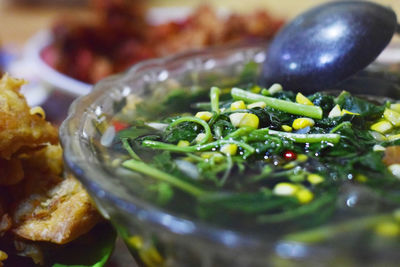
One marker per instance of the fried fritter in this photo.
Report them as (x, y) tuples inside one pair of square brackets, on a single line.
[(3, 257), (18, 128), (48, 207), (46, 160), (11, 171), (5, 220), (58, 215), (36, 202)]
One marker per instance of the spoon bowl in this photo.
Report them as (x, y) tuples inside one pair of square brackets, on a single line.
[(328, 44)]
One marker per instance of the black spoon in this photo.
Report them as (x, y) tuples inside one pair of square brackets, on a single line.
[(328, 44)]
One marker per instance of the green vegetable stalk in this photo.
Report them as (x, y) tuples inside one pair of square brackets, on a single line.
[(214, 96), (326, 232), (199, 121), (197, 148), (296, 137), (286, 106), (146, 169)]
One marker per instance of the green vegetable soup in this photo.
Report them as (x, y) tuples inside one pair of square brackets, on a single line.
[(280, 164)]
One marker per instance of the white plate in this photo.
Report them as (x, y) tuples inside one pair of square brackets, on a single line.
[(62, 82), (47, 74)]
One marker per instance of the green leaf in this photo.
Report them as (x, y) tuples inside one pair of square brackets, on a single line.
[(184, 131), (325, 101), (360, 106), (135, 132), (272, 118)]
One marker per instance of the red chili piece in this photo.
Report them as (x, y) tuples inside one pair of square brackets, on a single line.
[(119, 126), (289, 155)]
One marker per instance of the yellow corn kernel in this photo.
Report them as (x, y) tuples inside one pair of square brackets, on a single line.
[(287, 128), (387, 229), (3, 256), (290, 165), (301, 123), (301, 99), (183, 143), (244, 119), (382, 126), (361, 178), (200, 137), (135, 241), (395, 107), (238, 105), (132, 102), (213, 156), (378, 136), (204, 115), (345, 111), (395, 169), (229, 149), (304, 196), (257, 105), (218, 157), (255, 89), (378, 148), (151, 257), (285, 189), (38, 111), (335, 112), (207, 155), (392, 116), (275, 88), (313, 178), (147, 252), (302, 158), (393, 137)]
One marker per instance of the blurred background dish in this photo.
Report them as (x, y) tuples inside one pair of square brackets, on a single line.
[(30, 17), (73, 54), (39, 48), (48, 75)]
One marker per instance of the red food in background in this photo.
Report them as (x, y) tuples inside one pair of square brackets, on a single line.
[(121, 36)]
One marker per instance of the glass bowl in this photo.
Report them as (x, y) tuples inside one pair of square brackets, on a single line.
[(156, 236)]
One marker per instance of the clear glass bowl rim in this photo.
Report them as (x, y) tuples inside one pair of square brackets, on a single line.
[(77, 162)]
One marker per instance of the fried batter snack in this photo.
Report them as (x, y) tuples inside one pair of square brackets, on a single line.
[(36, 202), (58, 215), (18, 128), (11, 171)]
